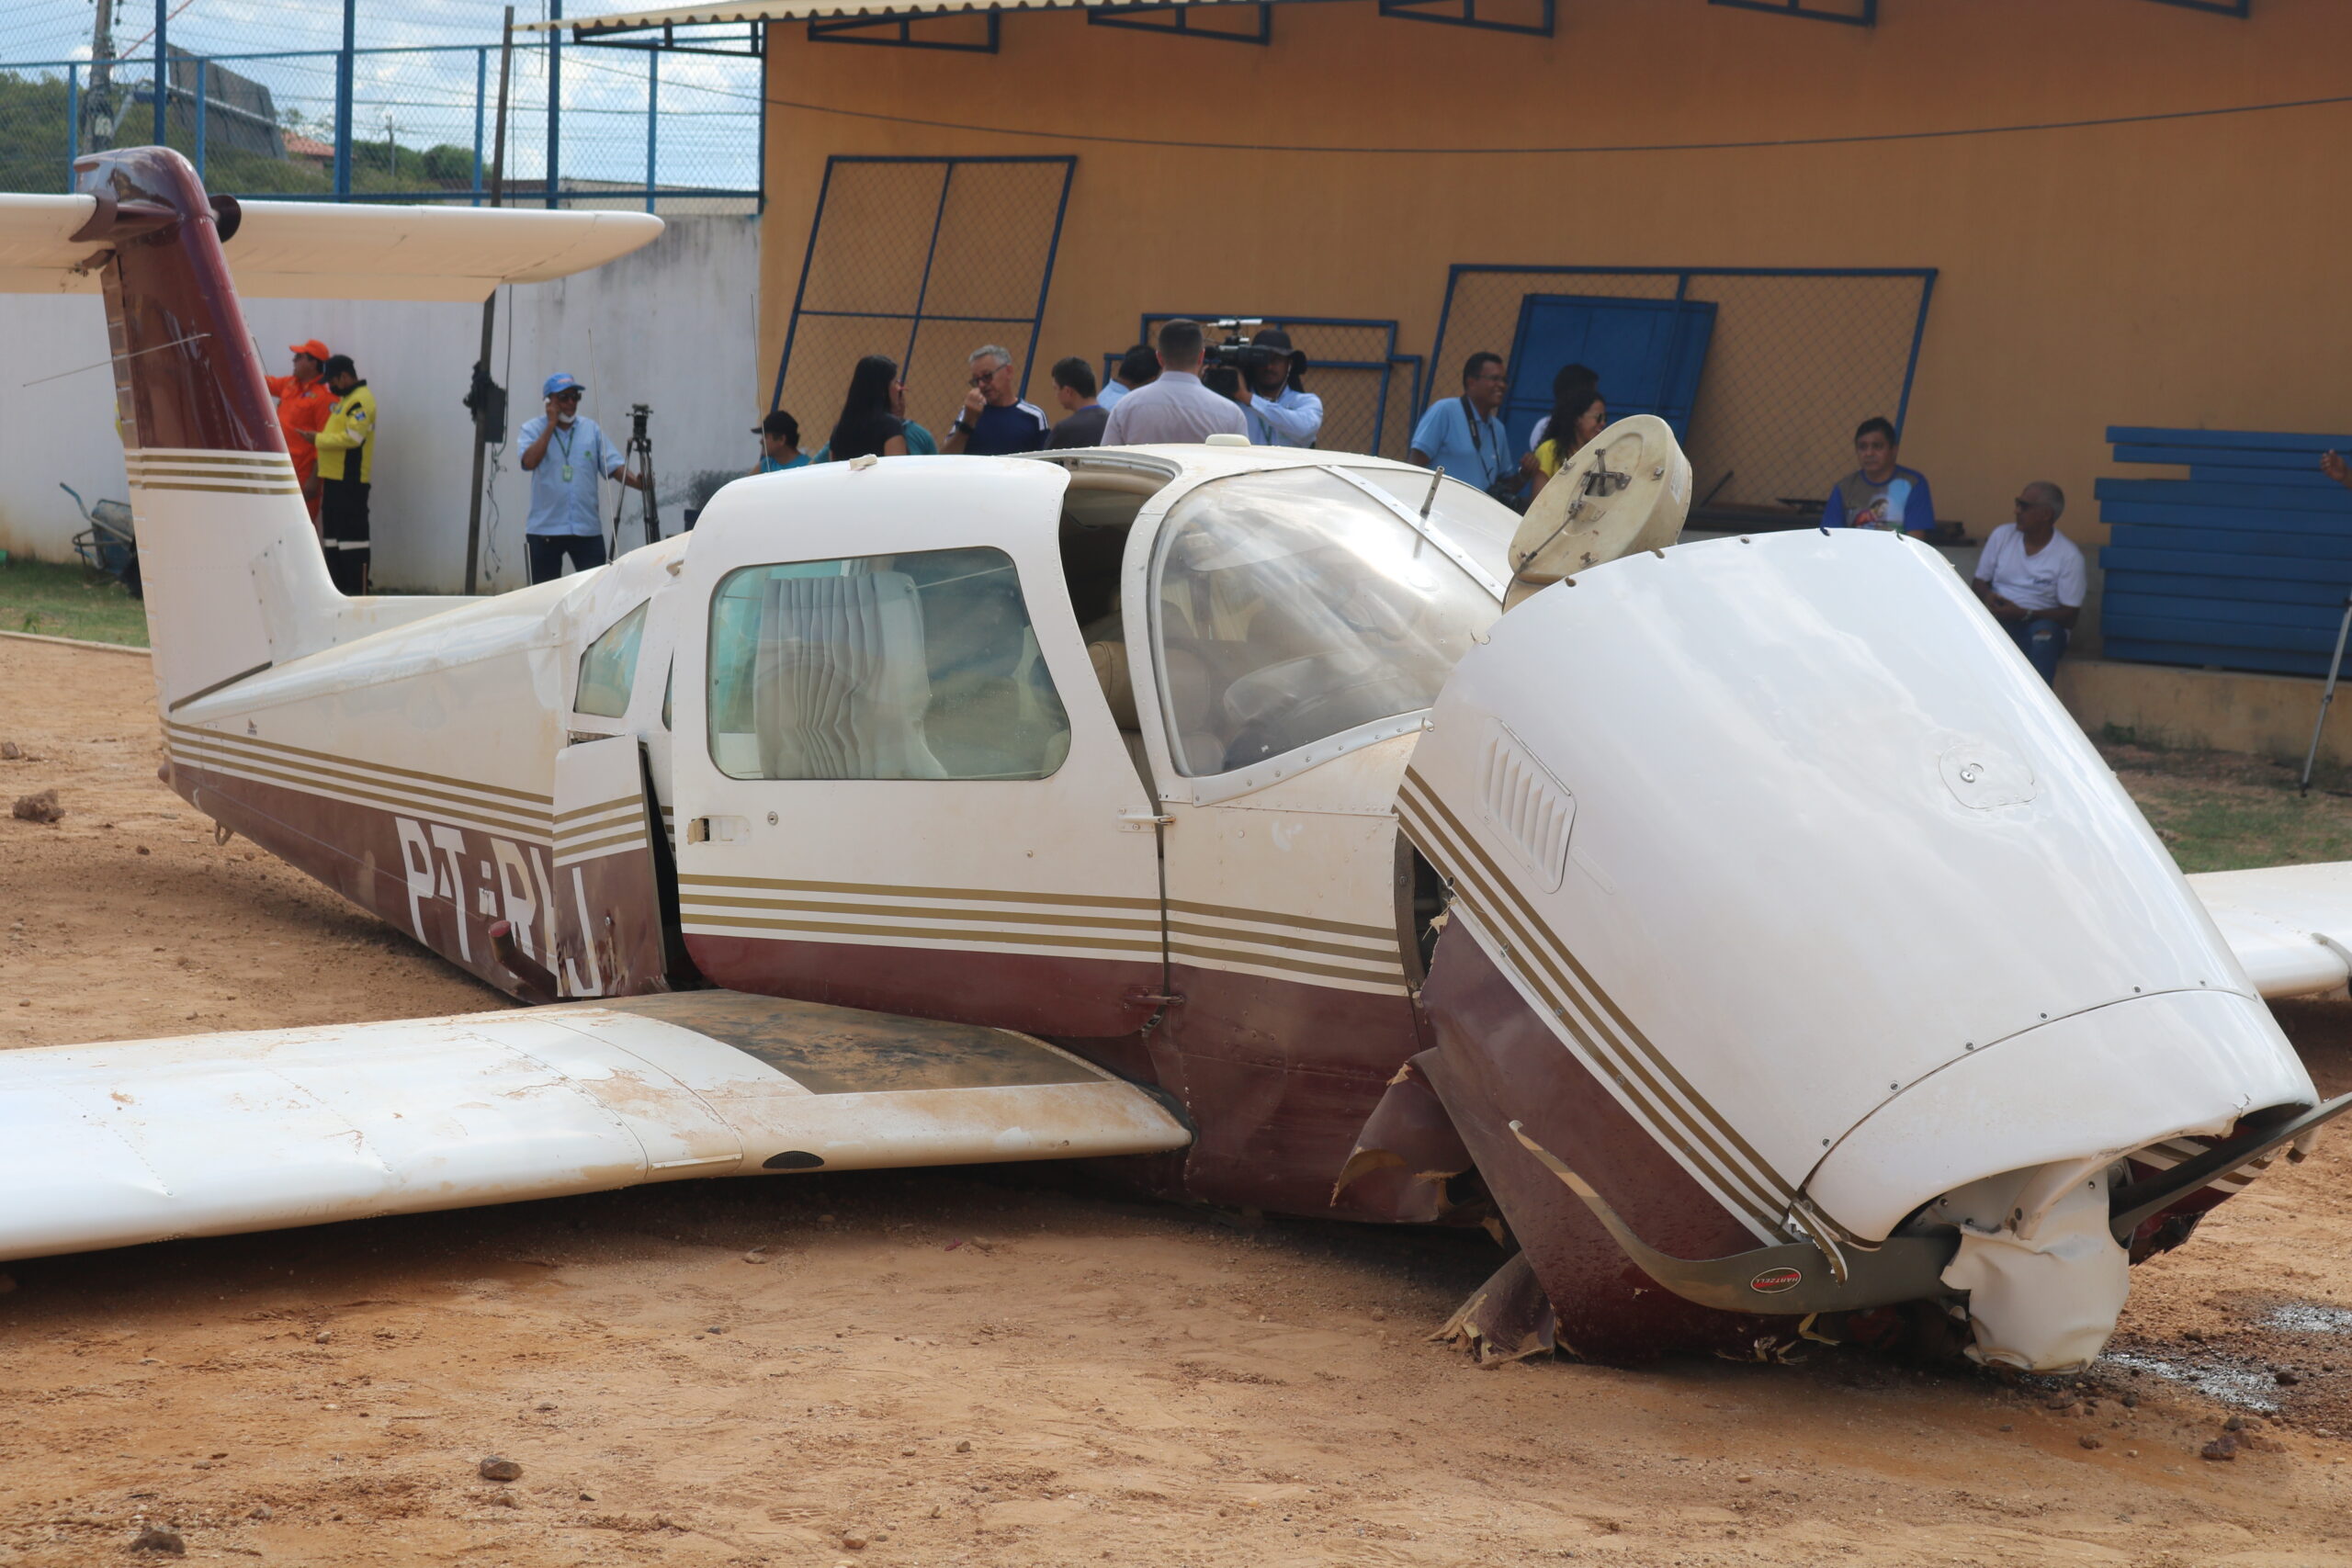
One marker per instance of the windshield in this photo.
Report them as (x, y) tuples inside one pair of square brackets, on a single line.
[(1289, 606), (1480, 526)]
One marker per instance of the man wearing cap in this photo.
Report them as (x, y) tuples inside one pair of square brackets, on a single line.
[(779, 435), (566, 455), (304, 402), (1281, 410), (346, 468)]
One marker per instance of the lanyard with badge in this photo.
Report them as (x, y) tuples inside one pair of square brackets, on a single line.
[(564, 438)]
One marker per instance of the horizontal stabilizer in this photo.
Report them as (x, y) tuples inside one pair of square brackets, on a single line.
[(318, 250), (146, 1140), (2291, 926)]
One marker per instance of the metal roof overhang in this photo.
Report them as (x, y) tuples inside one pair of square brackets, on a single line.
[(816, 10)]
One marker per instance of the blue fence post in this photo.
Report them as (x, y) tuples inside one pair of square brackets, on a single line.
[(72, 120), (653, 118), (163, 87), (343, 106), (482, 81), (555, 104), (199, 119)]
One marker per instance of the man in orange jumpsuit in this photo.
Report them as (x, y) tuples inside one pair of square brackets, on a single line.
[(304, 402)]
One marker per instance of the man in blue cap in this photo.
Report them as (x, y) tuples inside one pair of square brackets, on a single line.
[(567, 457)]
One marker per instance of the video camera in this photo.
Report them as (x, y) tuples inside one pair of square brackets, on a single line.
[(1239, 350)]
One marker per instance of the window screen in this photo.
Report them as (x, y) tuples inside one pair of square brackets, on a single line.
[(610, 667), (916, 666)]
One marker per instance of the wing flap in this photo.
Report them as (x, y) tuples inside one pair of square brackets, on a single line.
[(2291, 926), (138, 1141)]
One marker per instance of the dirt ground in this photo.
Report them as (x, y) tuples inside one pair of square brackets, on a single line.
[(993, 1367)]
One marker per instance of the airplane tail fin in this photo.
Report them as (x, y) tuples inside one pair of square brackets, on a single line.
[(235, 577)]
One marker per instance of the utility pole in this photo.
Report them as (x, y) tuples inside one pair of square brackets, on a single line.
[(100, 134), (482, 399)]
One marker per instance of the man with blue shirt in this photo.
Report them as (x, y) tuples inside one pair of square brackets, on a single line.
[(567, 457), (1882, 493), (1463, 435), (1281, 412), (995, 423)]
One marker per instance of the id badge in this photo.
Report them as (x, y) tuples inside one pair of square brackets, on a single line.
[(567, 473)]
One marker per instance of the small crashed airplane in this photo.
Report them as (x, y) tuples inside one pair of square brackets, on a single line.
[(1741, 931)]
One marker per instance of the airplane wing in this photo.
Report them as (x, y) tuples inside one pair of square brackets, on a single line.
[(297, 250), (146, 1140), (2289, 925)]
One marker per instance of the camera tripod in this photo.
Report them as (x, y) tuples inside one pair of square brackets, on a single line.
[(638, 455), (2327, 695)]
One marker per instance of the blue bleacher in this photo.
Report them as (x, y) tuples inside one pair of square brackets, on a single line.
[(2245, 564)]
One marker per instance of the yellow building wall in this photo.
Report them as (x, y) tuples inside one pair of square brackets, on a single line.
[(2182, 272)]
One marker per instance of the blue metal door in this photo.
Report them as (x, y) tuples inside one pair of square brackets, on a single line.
[(1648, 353)]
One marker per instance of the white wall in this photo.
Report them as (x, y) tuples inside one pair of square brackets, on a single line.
[(674, 326)]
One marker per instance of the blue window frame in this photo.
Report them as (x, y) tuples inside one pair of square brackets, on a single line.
[(923, 259), (2239, 8), (1853, 13), (1793, 359), (1352, 363), (1532, 17), (1192, 18), (911, 29)]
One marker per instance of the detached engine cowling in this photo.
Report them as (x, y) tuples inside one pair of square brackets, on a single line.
[(1798, 925)]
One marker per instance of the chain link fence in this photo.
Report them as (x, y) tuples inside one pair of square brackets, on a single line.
[(586, 125), (923, 260), (1368, 389), (1795, 359)]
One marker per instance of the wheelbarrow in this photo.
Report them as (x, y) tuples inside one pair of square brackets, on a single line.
[(110, 544)]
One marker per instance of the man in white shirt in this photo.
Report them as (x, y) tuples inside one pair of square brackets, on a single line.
[(1281, 413), (2033, 578), (1176, 407)]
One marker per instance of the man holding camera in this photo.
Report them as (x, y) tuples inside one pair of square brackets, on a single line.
[(1175, 407), (1281, 413), (567, 455)]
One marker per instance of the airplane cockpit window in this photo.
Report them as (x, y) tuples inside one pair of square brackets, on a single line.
[(1289, 606), (610, 667), (915, 666)]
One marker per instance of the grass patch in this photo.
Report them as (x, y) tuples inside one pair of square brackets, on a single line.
[(67, 601), (2225, 810)]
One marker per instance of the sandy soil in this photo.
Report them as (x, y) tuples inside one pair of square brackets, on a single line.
[(991, 1367)]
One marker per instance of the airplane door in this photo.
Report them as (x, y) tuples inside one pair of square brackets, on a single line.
[(898, 783), (607, 897)]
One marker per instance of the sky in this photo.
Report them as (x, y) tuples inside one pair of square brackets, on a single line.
[(706, 130)]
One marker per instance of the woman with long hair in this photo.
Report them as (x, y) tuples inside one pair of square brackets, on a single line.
[(867, 428), (1576, 418)]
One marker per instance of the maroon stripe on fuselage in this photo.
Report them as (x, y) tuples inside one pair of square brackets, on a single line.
[(187, 357), (1498, 1062), (1276, 1077), (419, 875)]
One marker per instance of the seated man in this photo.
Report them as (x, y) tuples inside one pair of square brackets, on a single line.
[(2031, 577), (1881, 493)]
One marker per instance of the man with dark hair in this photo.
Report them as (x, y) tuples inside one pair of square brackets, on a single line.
[(1175, 406), (1462, 434), (995, 421), (1083, 417), (1138, 367), (1881, 493), (779, 436), (1281, 410), (347, 447), (2033, 577)]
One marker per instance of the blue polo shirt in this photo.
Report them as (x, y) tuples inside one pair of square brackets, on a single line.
[(1477, 455), (560, 505)]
